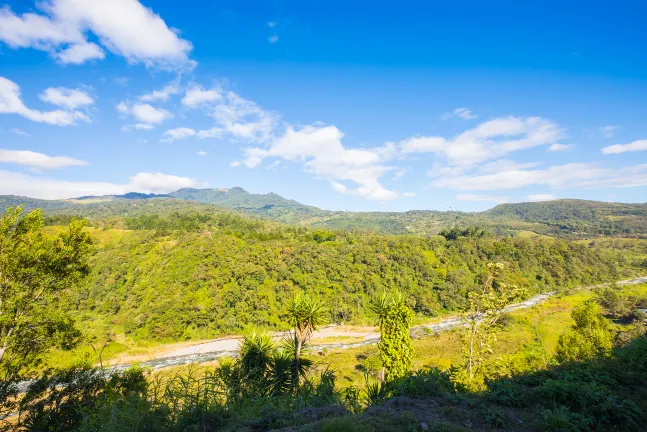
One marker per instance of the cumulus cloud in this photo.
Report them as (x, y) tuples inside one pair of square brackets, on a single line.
[(321, 151), (37, 160), (162, 94), (48, 188), (80, 53), (273, 39), (66, 98), (145, 113), (234, 115), (178, 134), (196, 96), (541, 197), (202, 153), (608, 131), (123, 27), (481, 198), (463, 113), (11, 103), (489, 140), (640, 145)]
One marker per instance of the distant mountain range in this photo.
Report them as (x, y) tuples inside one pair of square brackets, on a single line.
[(577, 218)]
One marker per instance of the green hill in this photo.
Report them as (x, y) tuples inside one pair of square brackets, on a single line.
[(561, 218)]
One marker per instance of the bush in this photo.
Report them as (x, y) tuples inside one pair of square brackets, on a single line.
[(592, 401), (561, 419), (506, 393), (424, 383)]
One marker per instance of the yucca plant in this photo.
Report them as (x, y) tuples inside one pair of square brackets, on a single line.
[(305, 316), (256, 353)]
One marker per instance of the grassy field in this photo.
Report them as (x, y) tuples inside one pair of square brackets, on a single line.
[(542, 324)]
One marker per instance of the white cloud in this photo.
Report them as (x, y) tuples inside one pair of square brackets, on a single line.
[(37, 160), (241, 118), (640, 145), (196, 96), (555, 176), (123, 27), (178, 134), (409, 194), (11, 103), (541, 197), (322, 153), (211, 133), (137, 126), (47, 188), (489, 140), (202, 153), (145, 113), (20, 132), (271, 24), (575, 175), (80, 53), (463, 113), (161, 95), (481, 198), (559, 147), (66, 98), (273, 39), (608, 131), (235, 164)]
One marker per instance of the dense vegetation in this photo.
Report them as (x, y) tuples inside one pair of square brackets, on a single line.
[(563, 218), (179, 275), (168, 284)]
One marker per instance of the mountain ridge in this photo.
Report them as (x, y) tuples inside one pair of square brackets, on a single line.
[(557, 217)]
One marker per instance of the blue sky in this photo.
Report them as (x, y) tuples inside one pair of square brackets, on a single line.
[(342, 105)]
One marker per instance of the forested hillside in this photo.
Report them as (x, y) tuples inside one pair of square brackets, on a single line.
[(561, 218), (182, 277), (580, 216)]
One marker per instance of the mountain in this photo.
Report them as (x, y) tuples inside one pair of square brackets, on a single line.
[(562, 218)]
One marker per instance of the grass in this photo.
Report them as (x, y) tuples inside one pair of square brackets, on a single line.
[(543, 323)]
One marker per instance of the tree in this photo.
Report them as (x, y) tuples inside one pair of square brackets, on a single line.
[(304, 315), (588, 338), (394, 320), (480, 323), (35, 270)]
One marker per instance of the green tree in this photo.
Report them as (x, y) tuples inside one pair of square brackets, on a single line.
[(35, 269), (304, 315), (480, 321), (394, 320), (588, 338)]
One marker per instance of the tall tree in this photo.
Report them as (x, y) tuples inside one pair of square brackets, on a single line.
[(394, 320), (35, 269), (480, 323)]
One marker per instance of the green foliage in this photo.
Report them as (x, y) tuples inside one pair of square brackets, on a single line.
[(394, 320), (480, 325), (588, 338), (35, 270)]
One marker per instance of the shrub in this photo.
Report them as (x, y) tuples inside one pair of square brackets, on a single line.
[(506, 393)]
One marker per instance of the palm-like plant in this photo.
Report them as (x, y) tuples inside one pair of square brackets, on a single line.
[(305, 316), (256, 353)]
